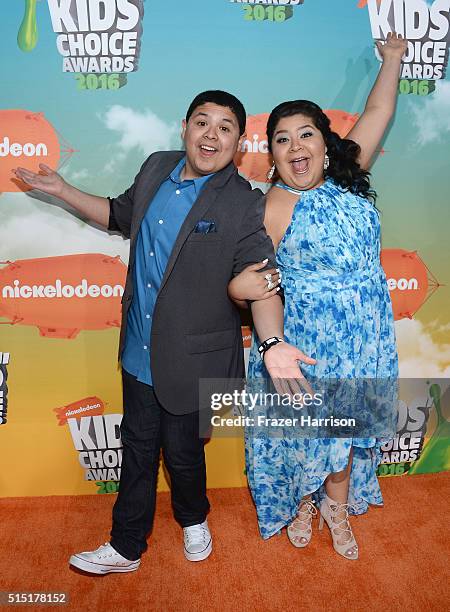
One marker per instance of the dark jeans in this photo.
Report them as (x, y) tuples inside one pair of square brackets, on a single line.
[(146, 428)]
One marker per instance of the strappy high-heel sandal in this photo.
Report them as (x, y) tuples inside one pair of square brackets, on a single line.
[(340, 529), (300, 530)]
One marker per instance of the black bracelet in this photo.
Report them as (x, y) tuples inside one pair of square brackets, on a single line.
[(265, 346)]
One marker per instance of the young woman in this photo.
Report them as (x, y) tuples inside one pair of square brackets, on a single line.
[(321, 218)]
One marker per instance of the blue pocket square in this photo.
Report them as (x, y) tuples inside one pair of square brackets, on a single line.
[(205, 226)]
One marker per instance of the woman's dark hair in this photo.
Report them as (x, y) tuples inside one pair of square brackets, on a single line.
[(343, 153)]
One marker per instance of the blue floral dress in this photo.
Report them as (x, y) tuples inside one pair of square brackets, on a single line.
[(337, 310)]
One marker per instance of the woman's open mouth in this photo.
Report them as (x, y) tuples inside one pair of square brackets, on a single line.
[(300, 165)]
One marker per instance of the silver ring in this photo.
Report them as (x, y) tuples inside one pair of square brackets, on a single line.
[(270, 284)]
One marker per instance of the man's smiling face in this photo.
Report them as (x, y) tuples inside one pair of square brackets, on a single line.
[(211, 137)]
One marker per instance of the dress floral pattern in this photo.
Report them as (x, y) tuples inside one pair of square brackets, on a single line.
[(337, 310)]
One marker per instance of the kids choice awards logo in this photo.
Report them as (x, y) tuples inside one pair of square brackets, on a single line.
[(92, 36), (28, 138), (413, 450), (424, 24), (97, 35), (97, 440), (276, 11), (407, 445), (63, 295)]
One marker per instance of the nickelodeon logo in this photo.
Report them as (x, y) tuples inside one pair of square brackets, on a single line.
[(409, 281), (92, 405), (58, 290), (29, 135), (63, 295), (17, 150), (254, 160), (255, 145), (403, 284)]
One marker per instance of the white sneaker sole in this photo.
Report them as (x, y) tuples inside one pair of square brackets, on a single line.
[(100, 568), (199, 556)]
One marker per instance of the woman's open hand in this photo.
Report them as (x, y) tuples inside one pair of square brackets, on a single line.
[(395, 46)]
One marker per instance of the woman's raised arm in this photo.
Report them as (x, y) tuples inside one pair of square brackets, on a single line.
[(371, 126)]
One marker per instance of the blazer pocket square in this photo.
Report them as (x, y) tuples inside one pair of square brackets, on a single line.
[(205, 226)]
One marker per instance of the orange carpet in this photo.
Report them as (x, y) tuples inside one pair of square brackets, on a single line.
[(403, 565)]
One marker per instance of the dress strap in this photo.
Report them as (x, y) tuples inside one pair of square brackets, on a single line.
[(301, 192), (298, 192), (280, 185)]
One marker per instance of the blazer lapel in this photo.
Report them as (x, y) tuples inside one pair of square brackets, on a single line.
[(204, 202), (156, 176)]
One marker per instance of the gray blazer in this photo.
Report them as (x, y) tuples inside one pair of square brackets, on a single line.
[(196, 327)]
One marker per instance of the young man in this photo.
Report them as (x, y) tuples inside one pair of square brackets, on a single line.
[(193, 224)]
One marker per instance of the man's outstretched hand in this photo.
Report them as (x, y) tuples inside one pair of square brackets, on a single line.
[(282, 363), (47, 180)]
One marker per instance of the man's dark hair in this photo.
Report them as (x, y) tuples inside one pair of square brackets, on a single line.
[(221, 98)]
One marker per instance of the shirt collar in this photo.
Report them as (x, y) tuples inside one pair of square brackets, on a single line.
[(175, 176)]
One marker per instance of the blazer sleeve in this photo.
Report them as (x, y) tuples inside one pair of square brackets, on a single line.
[(253, 244), (121, 207)]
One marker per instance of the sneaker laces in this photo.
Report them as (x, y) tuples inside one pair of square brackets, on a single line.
[(196, 533), (105, 555)]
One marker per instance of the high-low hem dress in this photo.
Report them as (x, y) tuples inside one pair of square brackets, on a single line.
[(338, 311)]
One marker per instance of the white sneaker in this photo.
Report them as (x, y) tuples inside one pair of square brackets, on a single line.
[(197, 542), (103, 561)]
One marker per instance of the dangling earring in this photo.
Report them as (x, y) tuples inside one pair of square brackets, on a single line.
[(271, 172), (326, 162)]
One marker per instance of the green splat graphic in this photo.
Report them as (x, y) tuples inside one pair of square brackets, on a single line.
[(27, 36), (435, 456)]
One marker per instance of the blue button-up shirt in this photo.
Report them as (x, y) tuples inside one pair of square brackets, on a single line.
[(157, 235)]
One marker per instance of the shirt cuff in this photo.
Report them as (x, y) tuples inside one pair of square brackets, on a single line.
[(112, 223)]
